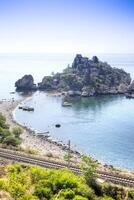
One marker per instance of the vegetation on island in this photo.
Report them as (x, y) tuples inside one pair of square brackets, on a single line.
[(9, 136)]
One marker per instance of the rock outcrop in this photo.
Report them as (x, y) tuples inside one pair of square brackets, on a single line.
[(131, 87), (130, 91), (88, 77), (25, 83)]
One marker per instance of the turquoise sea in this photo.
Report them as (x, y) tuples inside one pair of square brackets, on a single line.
[(101, 126)]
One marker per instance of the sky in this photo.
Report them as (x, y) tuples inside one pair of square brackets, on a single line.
[(66, 26)]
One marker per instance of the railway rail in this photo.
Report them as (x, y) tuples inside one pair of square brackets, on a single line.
[(30, 159)]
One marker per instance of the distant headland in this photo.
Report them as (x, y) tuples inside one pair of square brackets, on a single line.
[(85, 77)]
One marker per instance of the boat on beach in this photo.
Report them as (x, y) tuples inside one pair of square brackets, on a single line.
[(20, 107), (66, 104), (26, 108)]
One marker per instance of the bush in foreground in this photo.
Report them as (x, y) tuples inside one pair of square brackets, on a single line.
[(36, 183)]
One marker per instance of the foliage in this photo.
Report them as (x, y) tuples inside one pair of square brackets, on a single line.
[(42, 193), (131, 194), (77, 197), (114, 191), (3, 184), (66, 194), (4, 133), (11, 140), (107, 198), (36, 183), (3, 121), (67, 157), (28, 197), (44, 184), (9, 137), (16, 131), (89, 167)]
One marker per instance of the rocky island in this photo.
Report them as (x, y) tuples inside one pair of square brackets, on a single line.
[(26, 83), (85, 77)]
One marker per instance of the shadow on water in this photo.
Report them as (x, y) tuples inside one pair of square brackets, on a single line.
[(94, 103)]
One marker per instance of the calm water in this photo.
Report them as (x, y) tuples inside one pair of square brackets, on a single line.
[(102, 126)]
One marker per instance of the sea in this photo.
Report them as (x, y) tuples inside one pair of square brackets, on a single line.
[(101, 126)]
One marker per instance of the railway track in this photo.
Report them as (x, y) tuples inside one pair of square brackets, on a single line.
[(29, 159)]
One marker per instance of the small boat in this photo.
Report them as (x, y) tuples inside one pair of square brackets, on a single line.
[(57, 125), (20, 107), (66, 104), (26, 108)]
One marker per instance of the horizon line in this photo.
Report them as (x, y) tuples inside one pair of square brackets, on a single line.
[(66, 52)]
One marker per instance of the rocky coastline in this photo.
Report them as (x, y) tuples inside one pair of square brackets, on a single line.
[(85, 77)]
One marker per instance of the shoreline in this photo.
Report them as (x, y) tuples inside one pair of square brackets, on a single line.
[(43, 146), (32, 140)]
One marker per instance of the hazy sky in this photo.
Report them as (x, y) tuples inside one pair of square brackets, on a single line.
[(66, 26)]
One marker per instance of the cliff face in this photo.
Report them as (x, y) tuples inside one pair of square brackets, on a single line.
[(88, 77), (25, 83)]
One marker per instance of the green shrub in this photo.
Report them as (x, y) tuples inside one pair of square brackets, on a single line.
[(6, 136), (3, 122), (16, 190), (4, 133), (131, 194), (116, 192), (66, 194), (36, 183), (3, 184), (42, 193), (28, 197), (107, 198), (37, 173), (11, 140), (77, 197), (17, 131), (89, 167)]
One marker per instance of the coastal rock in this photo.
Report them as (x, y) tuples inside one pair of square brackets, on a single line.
[(74, 93), (25, 83), (49, 83), (95, 59), (131, 87), (122, 88), (87, 91), (130, 91), (88, 77)]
